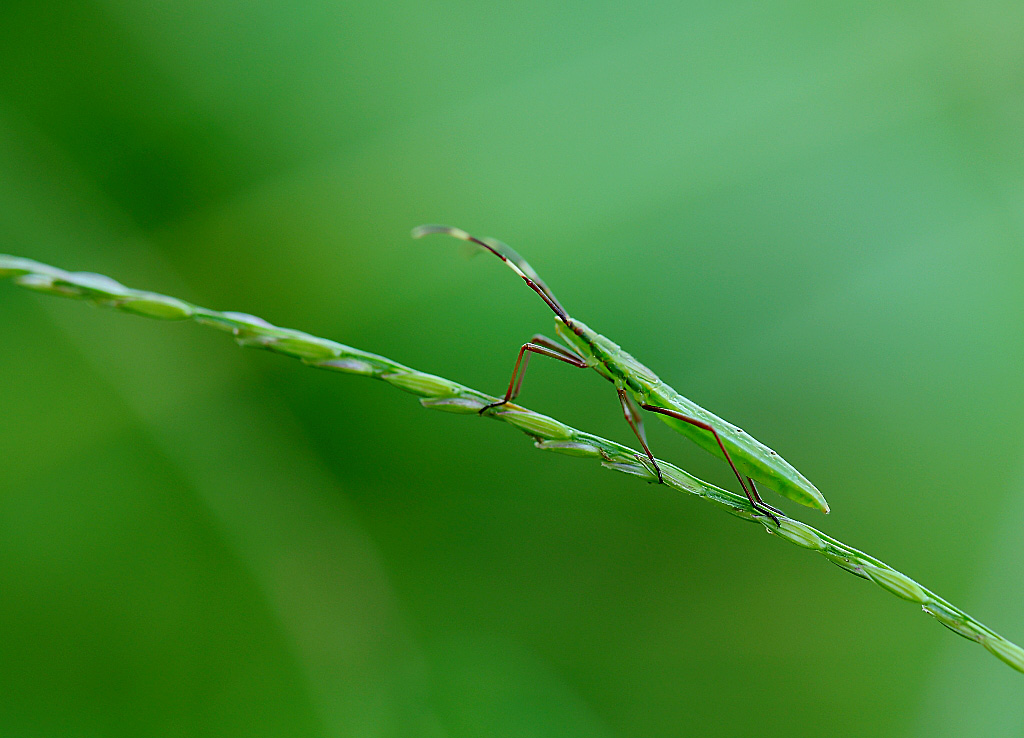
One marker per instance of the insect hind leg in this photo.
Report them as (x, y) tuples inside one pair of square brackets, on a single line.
[(757, 497), (753, 497)]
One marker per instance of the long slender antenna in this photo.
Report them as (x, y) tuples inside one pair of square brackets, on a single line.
[(508, 255)]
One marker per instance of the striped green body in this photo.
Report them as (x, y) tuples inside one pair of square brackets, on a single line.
[(751, 457)]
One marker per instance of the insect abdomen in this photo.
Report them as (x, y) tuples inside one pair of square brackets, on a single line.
[(752, 457)]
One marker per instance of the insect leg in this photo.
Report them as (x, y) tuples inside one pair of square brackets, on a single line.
[(758, 497), (636, 422), (564, 354), (754, 498), (538, 345)]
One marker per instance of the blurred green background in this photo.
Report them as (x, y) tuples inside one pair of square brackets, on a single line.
[(807, 217)]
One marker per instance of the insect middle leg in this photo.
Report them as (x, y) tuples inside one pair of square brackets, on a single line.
[(537, 345), (636, 422), (753, 497)]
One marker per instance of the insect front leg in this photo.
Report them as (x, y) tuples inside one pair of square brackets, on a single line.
[(538, 345)]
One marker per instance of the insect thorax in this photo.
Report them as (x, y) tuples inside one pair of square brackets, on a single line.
[(607, 357)]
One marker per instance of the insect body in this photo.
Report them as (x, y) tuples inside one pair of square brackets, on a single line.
[(639, 386)]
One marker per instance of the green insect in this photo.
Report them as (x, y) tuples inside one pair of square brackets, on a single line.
[(637, 385)]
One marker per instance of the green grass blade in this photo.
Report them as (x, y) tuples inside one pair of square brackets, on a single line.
[(547, 433)]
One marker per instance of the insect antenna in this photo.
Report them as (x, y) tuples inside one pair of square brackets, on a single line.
[(508, 255)]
